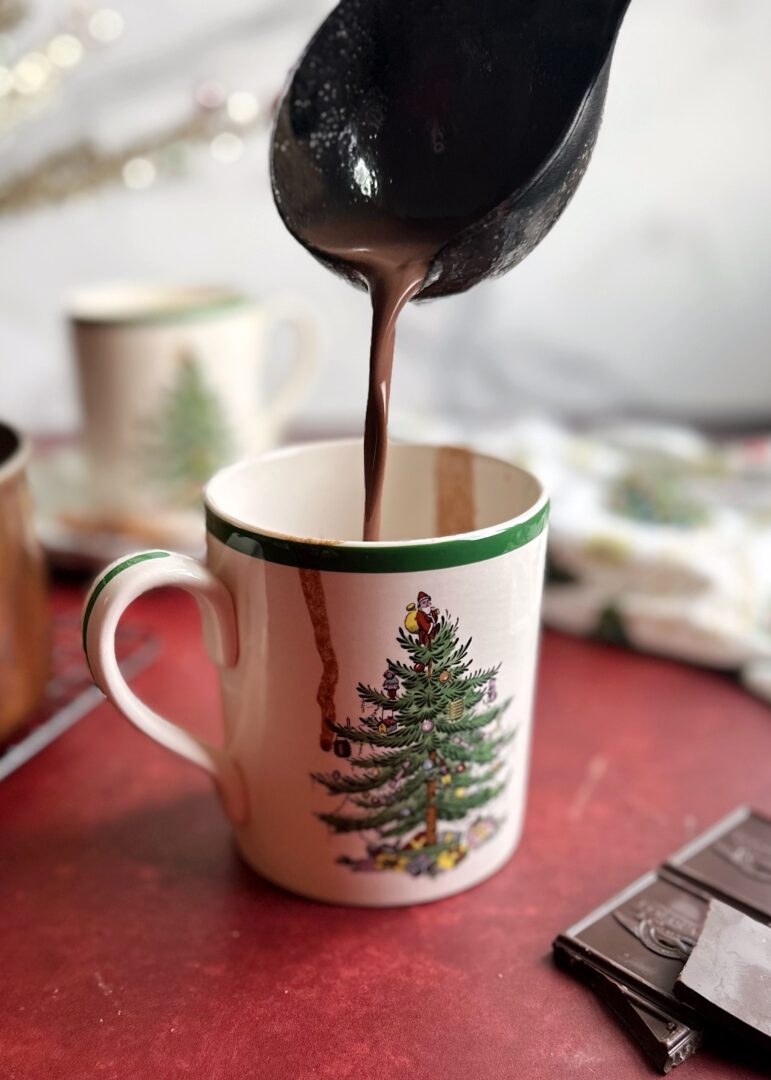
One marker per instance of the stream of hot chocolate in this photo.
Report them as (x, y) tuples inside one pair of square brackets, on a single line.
[(393, 257)]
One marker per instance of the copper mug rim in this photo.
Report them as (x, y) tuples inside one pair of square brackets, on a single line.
[(14, 452)]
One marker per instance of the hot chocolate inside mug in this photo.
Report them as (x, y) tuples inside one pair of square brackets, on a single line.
[(376, 696)]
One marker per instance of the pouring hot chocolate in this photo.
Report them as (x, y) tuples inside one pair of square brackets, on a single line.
[(420, 148)]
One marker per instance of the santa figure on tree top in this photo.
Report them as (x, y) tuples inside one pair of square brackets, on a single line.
[(426, 623), (427, 618)]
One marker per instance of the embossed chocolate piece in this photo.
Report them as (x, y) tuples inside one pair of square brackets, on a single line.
[(642, 938), (731, 861), (728, 975), (666, 1042), (661, 929), (637, 950)]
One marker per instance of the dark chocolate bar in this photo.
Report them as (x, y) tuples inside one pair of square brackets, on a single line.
[(666, 1042), (728, 976), (642, 938), (731, 861), (633, 949)]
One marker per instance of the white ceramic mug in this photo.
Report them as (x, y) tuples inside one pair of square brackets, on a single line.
[(172, 387), (377, 696)]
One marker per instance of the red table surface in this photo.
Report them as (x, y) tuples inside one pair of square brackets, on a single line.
[(136, 944)]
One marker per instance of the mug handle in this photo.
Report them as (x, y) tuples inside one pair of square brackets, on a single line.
[(112, 592), (284, 309)]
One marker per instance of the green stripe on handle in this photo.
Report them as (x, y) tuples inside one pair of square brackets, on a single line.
[(108, 577)]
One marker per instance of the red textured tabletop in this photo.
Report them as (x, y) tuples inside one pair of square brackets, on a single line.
[(135, 944)]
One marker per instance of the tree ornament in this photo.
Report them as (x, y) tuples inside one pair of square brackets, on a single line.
[(460, 768), (390, 686), (342, 748), (382, 728), (406, 811), (460, 792), (444, 676), (428, 764), (446, 778), (491, 692), (455, 709), (427, 725)]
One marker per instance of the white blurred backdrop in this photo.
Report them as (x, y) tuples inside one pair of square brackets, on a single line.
[(650, 296)]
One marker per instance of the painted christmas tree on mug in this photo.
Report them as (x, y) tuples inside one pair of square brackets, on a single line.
[(427, 753), (189, 436)]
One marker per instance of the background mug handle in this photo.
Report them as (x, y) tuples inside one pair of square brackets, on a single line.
[(112, 592), (288, 395)]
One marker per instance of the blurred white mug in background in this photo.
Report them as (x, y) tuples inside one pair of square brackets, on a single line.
[(173, 386)]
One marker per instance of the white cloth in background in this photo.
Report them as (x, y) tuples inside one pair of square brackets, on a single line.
[(659, 538)]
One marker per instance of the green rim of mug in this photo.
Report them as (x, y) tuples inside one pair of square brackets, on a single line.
[(193, 309), (378, 558)]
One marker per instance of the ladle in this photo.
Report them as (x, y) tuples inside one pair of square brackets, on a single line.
[(479, 115)]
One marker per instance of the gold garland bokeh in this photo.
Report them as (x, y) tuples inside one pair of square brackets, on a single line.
[(83, 168), (11, 14), (32, 81)]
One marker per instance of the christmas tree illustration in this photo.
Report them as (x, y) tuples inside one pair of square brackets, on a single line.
[(425, 756), (188, 438)]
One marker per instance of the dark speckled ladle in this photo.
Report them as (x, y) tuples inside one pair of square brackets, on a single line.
[(481, 113)]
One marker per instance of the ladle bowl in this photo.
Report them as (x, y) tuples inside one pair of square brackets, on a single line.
[(479, 115)]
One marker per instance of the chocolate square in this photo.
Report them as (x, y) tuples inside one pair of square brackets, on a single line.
[(731, 861), (728, 976), (666, 1042), (642, 938)]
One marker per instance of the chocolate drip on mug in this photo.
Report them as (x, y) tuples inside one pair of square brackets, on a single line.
[(393, 258), (454, 491), (316, 603)]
